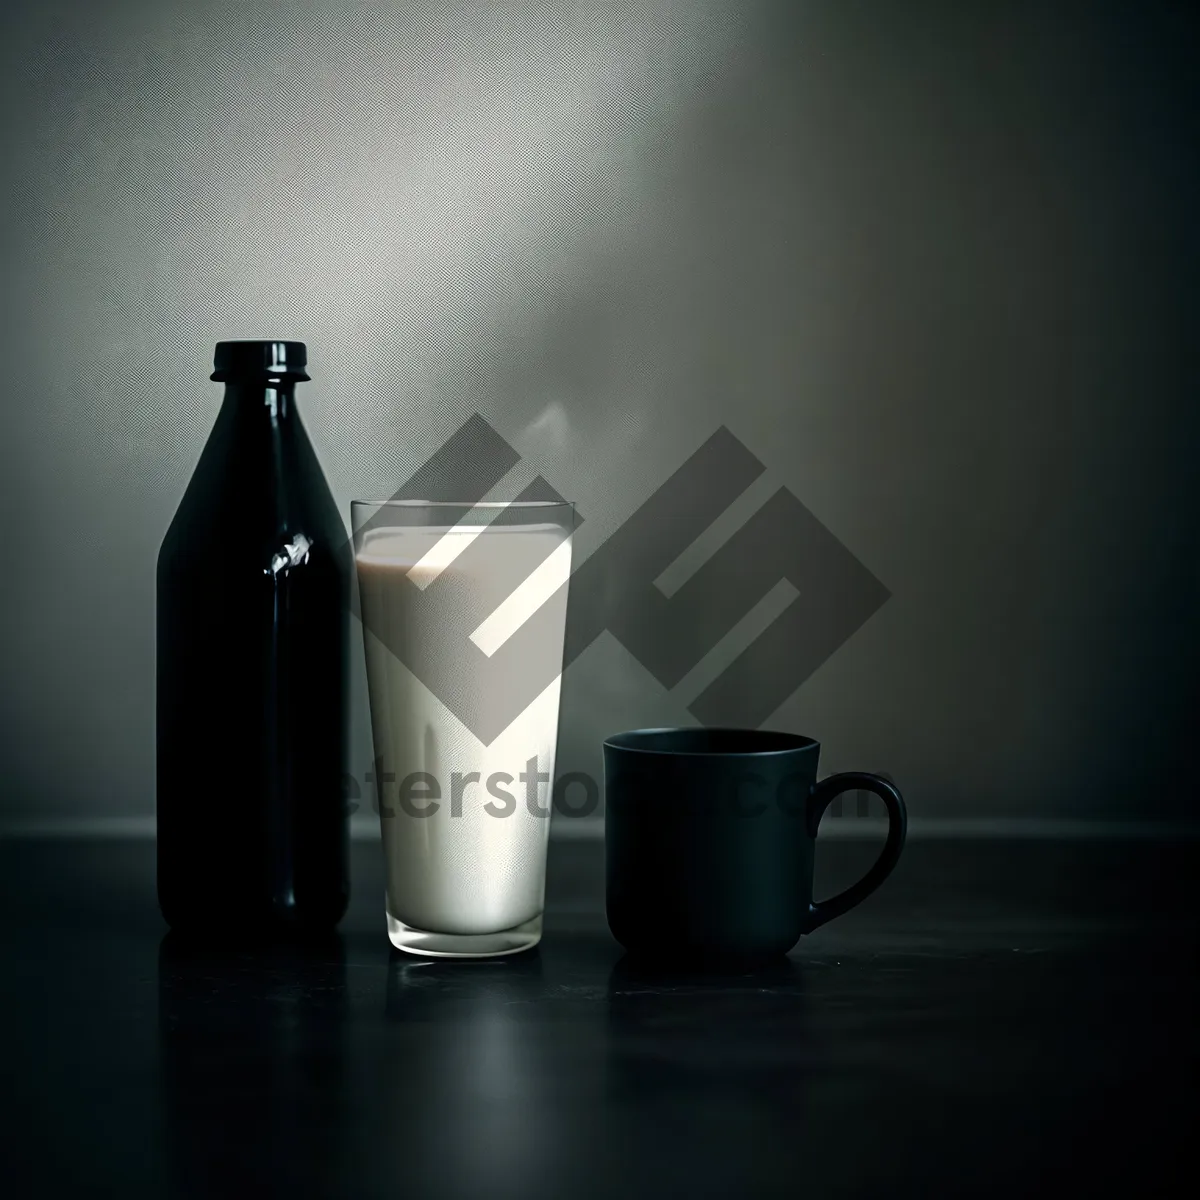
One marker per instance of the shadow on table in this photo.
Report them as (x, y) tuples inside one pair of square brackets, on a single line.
[(553, 1073), (252, 1062)]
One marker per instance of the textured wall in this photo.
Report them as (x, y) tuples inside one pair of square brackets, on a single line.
[(926, 261)]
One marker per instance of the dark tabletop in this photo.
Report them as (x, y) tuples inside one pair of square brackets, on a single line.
[(1003, 1018)]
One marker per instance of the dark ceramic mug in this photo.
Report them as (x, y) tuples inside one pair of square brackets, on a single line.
[(709, 839)]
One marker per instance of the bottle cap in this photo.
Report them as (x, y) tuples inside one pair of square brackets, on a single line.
[(234, 359)]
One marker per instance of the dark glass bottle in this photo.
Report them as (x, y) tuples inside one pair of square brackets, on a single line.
[(253, 646)]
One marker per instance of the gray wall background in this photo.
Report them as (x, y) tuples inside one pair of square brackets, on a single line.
[(933, 263)]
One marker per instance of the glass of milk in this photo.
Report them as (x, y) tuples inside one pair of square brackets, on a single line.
[(463, 611)]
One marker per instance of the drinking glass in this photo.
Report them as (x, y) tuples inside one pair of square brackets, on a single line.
[(464, 613)]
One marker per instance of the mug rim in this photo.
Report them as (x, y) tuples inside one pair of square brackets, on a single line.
[(628, 741)]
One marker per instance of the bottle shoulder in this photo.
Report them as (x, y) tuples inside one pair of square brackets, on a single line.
[(257, 502), (291, 555)]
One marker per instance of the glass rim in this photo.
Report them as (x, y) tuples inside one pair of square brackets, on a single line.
[(464, 504)]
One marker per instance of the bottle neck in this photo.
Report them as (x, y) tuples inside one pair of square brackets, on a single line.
[(273, 398)]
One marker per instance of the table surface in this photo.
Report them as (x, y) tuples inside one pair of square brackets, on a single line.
[(1002, 1017)]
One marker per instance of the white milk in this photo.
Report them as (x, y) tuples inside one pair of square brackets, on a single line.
[(462, 869)]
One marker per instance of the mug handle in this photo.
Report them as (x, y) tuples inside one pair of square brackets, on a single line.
[(819, 800)]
